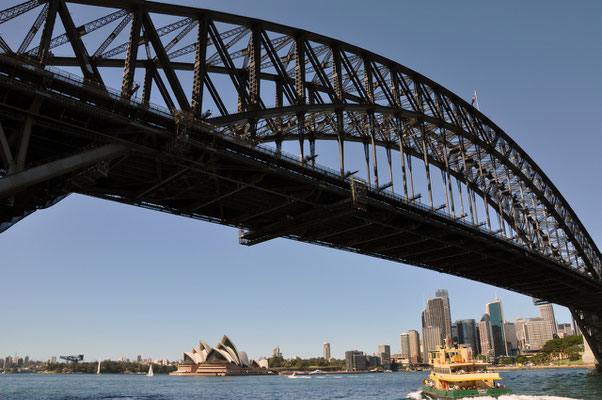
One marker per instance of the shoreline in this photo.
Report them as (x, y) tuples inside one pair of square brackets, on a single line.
[(512, 368)]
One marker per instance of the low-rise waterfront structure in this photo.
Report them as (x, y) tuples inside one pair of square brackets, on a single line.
[(221, 360)]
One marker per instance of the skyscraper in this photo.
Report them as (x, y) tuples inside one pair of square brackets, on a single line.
[(276, 352), (444, 295), (410, 346), (521, 338), (434, 315), (431, 340), (537, 333), (414, 347), (496, 315), (484, 329), (511, 341), (405, 346), (326, 350), (546, 312), (467, 334)]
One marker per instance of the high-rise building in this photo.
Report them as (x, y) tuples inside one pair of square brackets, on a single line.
[(414, 347), (384, 352), (434, 315), (444, 295), (511, 341), (326, 351), (410, 346), (276, 352), (431, 340), (405, 346), (467, 334), (355, 360), (53, 359), (454, 333), (537, 333), (564, 330), (8, 362), (496, 315), (546, 312), (521, 338), (138, 358), (484, 330)]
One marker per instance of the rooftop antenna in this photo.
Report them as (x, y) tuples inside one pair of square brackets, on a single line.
[(475, 101)]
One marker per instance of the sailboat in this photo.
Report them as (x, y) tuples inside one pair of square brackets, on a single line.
[(98, 370), (150, 371)]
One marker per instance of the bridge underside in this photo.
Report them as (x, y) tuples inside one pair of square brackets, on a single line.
[(199, 174)]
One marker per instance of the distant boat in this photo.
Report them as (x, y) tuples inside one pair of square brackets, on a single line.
[(317, 372), (98, 370), (150, 371)]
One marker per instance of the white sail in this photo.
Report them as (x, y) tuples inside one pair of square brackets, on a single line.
[(150, 371), (98, 370)]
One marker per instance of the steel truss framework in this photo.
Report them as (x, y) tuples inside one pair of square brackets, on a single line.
[(270, 83)]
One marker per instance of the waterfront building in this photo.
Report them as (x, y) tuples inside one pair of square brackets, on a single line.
[(355, 360), (221, 360), (373, 361), (431, 339), (484, 330), (546, 312), (263, 363), (467, 334), (326, 351), (498, 336), (415, 352), (276, 352), (1, 362), (139, 359), (511, 341), (384, 353), (405, 346), (410, 347), (53, 359), (537, 333), (564, 330), (447, 326)]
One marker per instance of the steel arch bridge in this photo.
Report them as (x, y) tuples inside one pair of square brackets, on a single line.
[(233, 90)]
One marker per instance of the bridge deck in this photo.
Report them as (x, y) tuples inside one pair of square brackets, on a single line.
[(203, 175)]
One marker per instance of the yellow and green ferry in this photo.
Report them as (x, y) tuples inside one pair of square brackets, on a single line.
[(455, 375)]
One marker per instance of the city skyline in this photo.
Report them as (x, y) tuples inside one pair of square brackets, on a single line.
[(103, 279), (432, 337)]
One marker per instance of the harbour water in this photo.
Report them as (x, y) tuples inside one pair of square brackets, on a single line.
[(557, 384)]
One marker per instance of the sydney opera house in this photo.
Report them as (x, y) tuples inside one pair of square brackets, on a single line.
[(221, 360)]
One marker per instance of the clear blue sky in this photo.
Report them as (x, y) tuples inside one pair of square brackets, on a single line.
[(107, 280)]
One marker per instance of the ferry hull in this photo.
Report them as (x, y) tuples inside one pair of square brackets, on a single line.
[(460, 394)]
